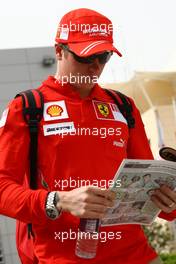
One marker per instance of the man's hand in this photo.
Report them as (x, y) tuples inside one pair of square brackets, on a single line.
[(165, 199), (86, 202)]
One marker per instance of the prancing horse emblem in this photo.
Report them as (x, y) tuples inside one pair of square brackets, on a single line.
[(104, 110)]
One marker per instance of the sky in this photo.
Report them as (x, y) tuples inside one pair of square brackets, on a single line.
[(144, 30)]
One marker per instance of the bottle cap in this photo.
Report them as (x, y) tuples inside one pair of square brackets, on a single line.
[(168, 153)]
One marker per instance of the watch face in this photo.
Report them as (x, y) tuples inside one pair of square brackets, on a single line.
[(52, 213), (51, 209)]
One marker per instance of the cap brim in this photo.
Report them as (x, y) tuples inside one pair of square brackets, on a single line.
[(84, 49)]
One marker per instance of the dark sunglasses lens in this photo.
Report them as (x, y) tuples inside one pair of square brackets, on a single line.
[(104, 57), (82, 59)]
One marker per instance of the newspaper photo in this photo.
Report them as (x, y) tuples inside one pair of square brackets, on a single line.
[(138, 179)]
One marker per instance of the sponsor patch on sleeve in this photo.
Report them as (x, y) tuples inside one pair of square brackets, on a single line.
[(4, 117)]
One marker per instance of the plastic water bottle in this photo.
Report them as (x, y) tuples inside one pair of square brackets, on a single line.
[(87, 241)]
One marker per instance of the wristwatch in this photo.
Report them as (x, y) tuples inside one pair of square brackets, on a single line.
[(51, 201)]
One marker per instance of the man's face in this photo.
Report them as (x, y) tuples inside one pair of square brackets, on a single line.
[(79, 74), (147, 177)]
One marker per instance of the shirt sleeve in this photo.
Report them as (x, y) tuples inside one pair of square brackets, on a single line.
[(16, 199), (139, 148)]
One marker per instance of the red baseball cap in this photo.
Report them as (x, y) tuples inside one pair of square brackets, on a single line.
[(86, 32)]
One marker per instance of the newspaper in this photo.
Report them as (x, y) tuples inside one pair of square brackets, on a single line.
[(138, 179)]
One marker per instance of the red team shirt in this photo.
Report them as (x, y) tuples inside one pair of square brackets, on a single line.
[(64, 155)]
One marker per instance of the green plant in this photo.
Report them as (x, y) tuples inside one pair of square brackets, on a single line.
[(168, 259), (159, 236)]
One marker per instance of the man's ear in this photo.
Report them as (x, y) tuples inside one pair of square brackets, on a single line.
[(59, 52)]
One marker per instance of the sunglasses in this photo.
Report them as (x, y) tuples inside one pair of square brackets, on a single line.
[(102, 57)]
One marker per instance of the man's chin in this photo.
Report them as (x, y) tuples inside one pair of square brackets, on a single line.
[(88, 86)]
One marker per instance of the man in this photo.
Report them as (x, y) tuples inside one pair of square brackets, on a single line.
[(66, 156), (148, 182)]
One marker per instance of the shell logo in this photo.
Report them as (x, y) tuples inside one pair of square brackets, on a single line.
[(54, 110)]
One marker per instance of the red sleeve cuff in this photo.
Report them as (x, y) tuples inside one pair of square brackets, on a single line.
[(38, 213)]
